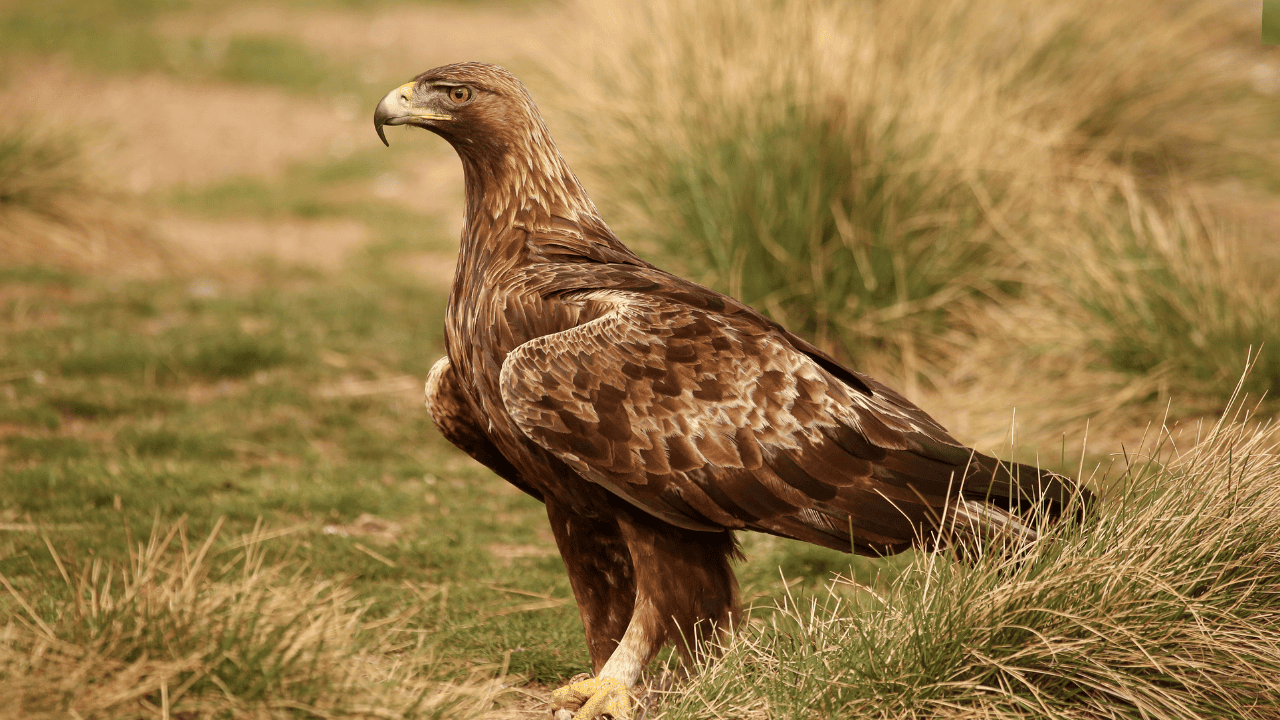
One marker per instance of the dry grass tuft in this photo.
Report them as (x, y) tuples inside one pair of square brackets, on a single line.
[(1165, 606), (212, 630), (54, 214)]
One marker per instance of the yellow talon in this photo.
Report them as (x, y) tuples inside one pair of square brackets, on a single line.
[(598, 695)]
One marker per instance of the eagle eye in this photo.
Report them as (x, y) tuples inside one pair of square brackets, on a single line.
[(460, 94)]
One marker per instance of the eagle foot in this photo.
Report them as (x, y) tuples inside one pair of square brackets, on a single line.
[(594, 697)]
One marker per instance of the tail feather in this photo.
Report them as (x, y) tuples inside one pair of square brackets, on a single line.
[(986, 522), (1008, 502), (1023, 490)]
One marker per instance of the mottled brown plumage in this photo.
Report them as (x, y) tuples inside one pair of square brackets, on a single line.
[(654, 416)]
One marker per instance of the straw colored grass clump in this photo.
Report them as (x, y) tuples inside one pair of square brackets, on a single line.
[(185, 631), (56, 211)]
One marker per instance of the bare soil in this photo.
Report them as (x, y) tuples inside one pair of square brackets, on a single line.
[(152, 132), (403, 40), (317, 243)]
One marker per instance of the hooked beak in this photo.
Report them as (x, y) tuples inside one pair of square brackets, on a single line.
[(397, 108)]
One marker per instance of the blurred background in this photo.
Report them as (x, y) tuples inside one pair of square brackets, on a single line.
[(1053, 225)]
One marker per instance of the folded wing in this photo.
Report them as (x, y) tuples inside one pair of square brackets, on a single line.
[(713, 420)]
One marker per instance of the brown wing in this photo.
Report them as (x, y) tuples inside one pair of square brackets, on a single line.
[(458, 423), (713, 420)]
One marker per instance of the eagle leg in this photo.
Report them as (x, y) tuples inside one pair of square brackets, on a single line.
[(600, 573), (684, 592), (685, 589)]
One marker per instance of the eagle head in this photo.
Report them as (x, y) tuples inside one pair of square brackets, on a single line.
[(475, 106)]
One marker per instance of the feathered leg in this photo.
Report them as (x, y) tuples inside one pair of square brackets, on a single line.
[(687, 578), (685, 592), (600, 571)]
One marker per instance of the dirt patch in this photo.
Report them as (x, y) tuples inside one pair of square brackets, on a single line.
[(392, 41), (157, 132), (317, 243)]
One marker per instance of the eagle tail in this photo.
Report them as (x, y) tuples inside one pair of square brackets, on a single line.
[(1011, 503)]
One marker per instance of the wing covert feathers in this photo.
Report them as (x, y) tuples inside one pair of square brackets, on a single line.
[(712, 420)]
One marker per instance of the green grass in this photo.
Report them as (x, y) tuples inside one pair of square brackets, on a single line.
[(281, 63), (324, 189), (306, 190), (109, 35), (810, 215), (1180, 298)]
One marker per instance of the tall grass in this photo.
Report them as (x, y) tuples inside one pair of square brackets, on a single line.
[(210, 629), (903, 180), (1165, 606), (1172, 292), (37, 176)]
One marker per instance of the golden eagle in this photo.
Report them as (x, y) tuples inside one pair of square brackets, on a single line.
[(653, 416)]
